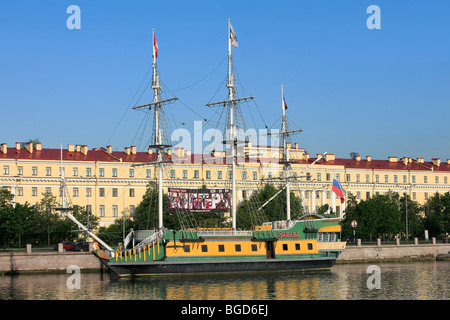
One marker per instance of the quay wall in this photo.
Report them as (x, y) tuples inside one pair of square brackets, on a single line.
[(405, 252), (52, 262), (58, 262)]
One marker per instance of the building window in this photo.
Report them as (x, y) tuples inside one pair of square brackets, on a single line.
[(48, 171), (101, 172), (101, 211), (114, 192), (319, 177), (148, 173), (348, 177), (131, 173), (404, 179), (269, 175), (20, 171), (88, 172), (88, 192), (367, 177), (172, 174), (426, 195), (436, 179), (308, 176), (20, 191), (386, 178), (414, 195), (75, 192), (425, 179), (115, 210), (367, 195), (219, 174), (34, 191), (377, 178), (132, 210), (445, 180), (48, 190), (208, 174), (185, 175), (131, 192), (328, 177), (101, 192), (34, 171), (395, 178), (413, 179), (255, 175), (89, 209), (75, 172), (114, 172), (358, 178), (244, 175)]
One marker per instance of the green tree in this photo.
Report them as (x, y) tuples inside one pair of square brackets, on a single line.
[(248, 214), (437, 214)]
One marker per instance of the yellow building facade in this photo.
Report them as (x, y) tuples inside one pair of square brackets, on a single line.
[(112, 183)]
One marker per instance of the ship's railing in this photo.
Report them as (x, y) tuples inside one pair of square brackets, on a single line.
[(150, 239), (209, 233)]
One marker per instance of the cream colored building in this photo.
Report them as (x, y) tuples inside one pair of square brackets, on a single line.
[(110, 184)]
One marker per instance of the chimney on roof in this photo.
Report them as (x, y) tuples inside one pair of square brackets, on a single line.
[(448, 161), (133, 149), (17, 145), (4, 148), (109, 149), (169, 152), (358, 158), (29, 147), (180, 152), (188, 153), (71, 148), (84, 150), (288, 145), (405, 160), (127, 150), (393, 159), (329, 157), (420, 160), (150, 150), (436, 162), (38, 146), (368, 158), (78, 148), (296, 145)]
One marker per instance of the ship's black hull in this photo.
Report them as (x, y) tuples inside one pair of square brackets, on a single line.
[(186, 267)]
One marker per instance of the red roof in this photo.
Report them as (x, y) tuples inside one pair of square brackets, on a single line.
[(143, 157)]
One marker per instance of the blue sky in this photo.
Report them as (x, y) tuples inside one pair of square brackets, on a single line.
[(379, 92)]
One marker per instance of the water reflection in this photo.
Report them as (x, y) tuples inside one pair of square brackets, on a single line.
[(399, 281)]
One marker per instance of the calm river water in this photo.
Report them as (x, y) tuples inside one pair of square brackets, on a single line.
[(398, 281)]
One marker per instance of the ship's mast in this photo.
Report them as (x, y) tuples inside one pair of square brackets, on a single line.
[(232, 103), (158, 142)]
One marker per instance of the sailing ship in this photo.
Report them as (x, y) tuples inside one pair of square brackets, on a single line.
[(310, 242)]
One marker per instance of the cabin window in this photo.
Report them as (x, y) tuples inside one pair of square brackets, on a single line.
[(297, 246), (310, 246), (187, 248), (204, 248), (254, 247), (285, 246), (238, 248), (221, 248)]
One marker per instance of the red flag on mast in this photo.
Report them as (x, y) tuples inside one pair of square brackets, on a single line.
[(155, 46)]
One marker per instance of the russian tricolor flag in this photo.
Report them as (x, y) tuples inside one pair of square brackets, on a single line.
[(338, 190), (284, 103)]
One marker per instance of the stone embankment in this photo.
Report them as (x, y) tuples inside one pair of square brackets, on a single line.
[(59, 261)]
